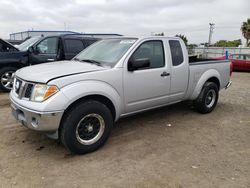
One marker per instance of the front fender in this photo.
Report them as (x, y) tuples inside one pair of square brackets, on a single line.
[(14, 59), (92, 87), (203, 78)]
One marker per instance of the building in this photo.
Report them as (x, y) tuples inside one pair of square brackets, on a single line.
[(20, 36), (101, 35)]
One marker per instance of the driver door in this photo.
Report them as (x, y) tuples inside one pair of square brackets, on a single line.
[(45, 51), (148, 87)]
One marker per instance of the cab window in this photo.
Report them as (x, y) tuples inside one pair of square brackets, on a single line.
[(74, 46), (48, 46), (152, 50), (176, 52)]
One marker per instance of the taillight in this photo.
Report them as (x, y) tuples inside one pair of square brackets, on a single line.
[(231, 68)]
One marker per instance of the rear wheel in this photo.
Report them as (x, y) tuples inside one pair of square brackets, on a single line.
[(208, 98), (7, 78), (86, 127)]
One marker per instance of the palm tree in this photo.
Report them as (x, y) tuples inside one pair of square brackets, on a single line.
[(183, 37), (245, 29)]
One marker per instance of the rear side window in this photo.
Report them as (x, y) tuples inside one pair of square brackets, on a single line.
[(176, 52), (152, 50), (74, 46), (88, 42)]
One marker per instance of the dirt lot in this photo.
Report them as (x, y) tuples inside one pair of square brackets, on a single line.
[(168, 147)]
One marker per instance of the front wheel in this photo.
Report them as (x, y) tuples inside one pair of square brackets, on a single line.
[(7, 78), (208, 98), (86, 127)]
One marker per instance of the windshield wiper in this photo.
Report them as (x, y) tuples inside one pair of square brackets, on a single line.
[(76, 59), (91, 61)]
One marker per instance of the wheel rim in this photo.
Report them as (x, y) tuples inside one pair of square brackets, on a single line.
[(90, 129), (7, 79), (210, 98)]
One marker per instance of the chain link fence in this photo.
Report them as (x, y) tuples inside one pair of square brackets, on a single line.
[(211, 52)]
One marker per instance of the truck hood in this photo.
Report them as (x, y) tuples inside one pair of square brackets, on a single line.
[(43, 73), (8, 45)]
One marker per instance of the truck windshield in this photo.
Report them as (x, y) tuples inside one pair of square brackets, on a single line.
[(26, 44), (106, 52)]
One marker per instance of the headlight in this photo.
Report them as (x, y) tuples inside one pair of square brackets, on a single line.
[(41, 92)]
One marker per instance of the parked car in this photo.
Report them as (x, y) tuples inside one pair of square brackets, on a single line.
[(241, 62), (78, 101), (38, 50)]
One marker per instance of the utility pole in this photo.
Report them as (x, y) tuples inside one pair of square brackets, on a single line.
[(64, 26), (211, 28)]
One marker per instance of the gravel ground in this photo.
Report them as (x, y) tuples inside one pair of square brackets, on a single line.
[(170, 147)]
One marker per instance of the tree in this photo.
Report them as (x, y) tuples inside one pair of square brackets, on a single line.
[(225, 43), (159, 34), (192, 45), (183, 37), (245, 29)]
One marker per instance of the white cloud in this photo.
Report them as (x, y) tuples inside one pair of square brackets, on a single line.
[(128, 17)]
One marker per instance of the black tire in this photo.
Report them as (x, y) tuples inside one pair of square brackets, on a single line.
[(207, 100), (71, 135), (3, 84)]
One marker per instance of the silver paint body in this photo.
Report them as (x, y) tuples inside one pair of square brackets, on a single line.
[(130, 92)]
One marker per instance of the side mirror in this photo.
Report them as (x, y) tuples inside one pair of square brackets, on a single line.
[(31, 49), (138, 64)]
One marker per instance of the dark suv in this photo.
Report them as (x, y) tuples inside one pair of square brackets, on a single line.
[(40, 50)]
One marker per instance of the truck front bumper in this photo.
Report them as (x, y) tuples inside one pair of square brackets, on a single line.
[(39, 121)]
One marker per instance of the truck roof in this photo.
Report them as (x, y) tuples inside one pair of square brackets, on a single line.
[(71, 36), (143, 37)]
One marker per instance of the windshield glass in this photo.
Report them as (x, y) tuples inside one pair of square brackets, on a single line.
[(26, 44), (106, 52)]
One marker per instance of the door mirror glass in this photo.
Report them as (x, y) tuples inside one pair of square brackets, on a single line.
[(136, 64)]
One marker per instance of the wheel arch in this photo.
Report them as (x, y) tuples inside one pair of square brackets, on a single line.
[(214, 80), (211, 75), (96, 97)]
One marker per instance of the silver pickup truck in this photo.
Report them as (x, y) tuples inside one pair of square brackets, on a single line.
[(78, 101)]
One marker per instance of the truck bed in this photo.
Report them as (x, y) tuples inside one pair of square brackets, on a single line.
[(202, 67), (196, 60)]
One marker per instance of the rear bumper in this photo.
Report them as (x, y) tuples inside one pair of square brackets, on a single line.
[(39, 121), (228, 84)]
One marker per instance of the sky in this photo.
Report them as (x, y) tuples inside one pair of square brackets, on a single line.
[(128, 17)]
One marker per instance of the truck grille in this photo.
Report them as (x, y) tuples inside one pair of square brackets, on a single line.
[(28, 91), (23, 89)]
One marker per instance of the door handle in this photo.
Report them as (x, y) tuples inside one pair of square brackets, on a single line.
[(164, 74), (50, 59)]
